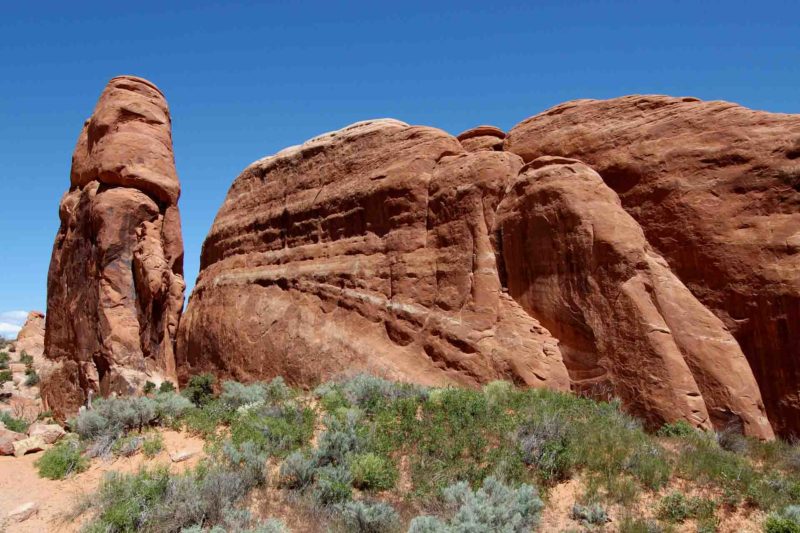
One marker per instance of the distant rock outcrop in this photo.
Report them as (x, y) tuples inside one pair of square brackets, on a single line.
[(716, 189), (115, 286)]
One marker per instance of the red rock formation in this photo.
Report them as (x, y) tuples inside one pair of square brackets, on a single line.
[(387, 247), (30, 338), (482, 138), (578, 262), (367, 248), (716, 188), (115, 286)]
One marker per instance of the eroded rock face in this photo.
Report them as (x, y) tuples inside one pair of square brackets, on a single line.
[(30, 338), (716, 189), (404, 251), (365, 249), (115, 285), (577, 261)]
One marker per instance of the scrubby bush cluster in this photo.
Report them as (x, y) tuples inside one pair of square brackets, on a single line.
[(63, 459), (12, 423)]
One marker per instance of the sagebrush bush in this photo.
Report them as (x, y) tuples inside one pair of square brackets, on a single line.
[(786, 521), (368, 517), (171, 407), (372, 472), (341, 439), (278, 429), (31, 378), (544, 443), (497, 393), (732, 440), (152, 445), (4, 360), (62, 460), (127, 446), (17, 425), (594, 514), (235, 394), (494, 507), (679, 428), (333, 485), (26, 359), (298, 471), (5, 375)]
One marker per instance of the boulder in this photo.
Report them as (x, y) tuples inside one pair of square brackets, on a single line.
[(115, 285), (181, 455), (482, 138), (714, 186), (7, 440), (23, 512), (578, 262), (29, 445), (370, 249), (50, 433)]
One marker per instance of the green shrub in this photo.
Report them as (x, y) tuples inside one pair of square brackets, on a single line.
[(149, 387), (127, 446), (5, 375), (333, 485), (171, 407), (787, 521), (593, 514), (31, 377), (372, 472), (494, 507), (205, 420), (4, 359), (277, 429), (26, 359), (497, 393), (679, 428), (125, 502), (341, 439), (90, 424), (298, 471), (166, 386), (368, 517), (14, 424), (200, 389), (544, 443), (61, 460), (676, 508), (152, 445), (629, 524), (235, 394)]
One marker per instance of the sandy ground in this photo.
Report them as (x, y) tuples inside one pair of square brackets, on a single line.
[(20, 484)]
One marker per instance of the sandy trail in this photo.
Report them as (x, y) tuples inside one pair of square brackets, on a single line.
[(20, 484)]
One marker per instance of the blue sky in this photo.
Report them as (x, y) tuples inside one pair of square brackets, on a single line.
[(244, 80)]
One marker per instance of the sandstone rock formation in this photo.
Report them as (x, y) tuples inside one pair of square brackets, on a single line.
[(577, 261), (716, 189), (405, 251), (30, 338), (115, 285), (364, 249)]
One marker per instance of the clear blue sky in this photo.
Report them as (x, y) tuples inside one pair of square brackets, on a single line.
[(244, 80)]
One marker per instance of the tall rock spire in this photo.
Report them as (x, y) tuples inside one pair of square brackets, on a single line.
[(115, 286)]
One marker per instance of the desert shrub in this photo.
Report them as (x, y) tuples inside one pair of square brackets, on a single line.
[(31, 377), (331, 398), (341, 439), (200, 389), (127, 446), (149, 387), (152, 445), (90, 424), (298, 471), (166, 386), (333, 485), (786, 521), (544, 443), (676, 508), (278, 429), (205, 420), (61, 460), (368, 392), (4, 359), (126, 413), (368, 517), (277, 390), (5, 375), (124, 502), (170, 407), (101, 446), (732, 440), (14, 424), (679, 428), (235, 394), (494, 507), (372, 472), (497, 393), (629, 524), (594, 514), (26, 359)]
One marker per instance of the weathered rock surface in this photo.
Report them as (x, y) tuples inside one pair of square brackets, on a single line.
[(579, 263), (364, 249), (7, 440), (482, 138), (405, 251), (716, 189), (28, 445), (30, 338), (50, 433), (115, 285)]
